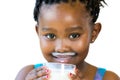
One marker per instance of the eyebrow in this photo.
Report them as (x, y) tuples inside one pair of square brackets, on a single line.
[(67, 30), (75, 28), (47, 29)]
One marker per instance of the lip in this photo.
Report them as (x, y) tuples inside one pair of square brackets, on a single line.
[(63, 58)]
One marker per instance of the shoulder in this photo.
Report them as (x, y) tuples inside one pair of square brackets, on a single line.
[(23, 72), (109, 75)]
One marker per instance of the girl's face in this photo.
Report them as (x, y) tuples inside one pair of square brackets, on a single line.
[(64, 28)]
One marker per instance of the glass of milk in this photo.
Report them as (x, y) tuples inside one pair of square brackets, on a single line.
[(60, 71)]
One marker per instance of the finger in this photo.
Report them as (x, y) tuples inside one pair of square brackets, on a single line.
[(43, 73), (77, 76), (43, 78), (78, 73), (31, 75), (41, 68), (73, 77)]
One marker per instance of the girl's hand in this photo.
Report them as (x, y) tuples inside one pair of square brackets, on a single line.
[(41, 73), (76, 76)]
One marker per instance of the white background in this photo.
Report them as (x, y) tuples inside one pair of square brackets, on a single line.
[(19, 44)]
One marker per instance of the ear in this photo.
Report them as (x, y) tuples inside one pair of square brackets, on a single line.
[(95, 31), (37, 29)]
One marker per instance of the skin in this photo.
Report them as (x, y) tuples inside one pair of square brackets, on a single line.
[(59, 27)]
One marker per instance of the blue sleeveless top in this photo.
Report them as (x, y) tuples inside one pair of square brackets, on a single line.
[(98, 76)]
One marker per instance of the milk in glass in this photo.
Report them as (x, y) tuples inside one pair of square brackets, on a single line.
[(60, 71)]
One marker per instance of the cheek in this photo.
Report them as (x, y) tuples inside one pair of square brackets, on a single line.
[(82, 44), (46, 46)]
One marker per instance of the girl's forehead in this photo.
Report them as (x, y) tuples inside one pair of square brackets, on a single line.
[(65, 10), (73, 7)]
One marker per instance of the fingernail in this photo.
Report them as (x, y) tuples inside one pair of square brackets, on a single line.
[(47, 76), (70, 74), (47, 70)]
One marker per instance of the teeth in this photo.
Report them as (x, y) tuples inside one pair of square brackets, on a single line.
[(63, 54)]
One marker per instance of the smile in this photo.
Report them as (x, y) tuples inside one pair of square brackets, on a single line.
[(63, 57)]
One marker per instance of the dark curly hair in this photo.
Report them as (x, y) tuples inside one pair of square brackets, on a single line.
[(93, 6)]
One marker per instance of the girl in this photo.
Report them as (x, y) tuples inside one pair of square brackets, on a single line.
[(67, 27)]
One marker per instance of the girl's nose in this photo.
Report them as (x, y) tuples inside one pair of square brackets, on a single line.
[(62, 46)]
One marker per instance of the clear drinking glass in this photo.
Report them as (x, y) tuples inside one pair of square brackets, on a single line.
[(60, 71)]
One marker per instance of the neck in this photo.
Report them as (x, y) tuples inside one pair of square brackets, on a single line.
[(83, 68)]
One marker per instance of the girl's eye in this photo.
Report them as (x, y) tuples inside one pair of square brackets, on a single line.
[(50, 36), (74, 36)]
